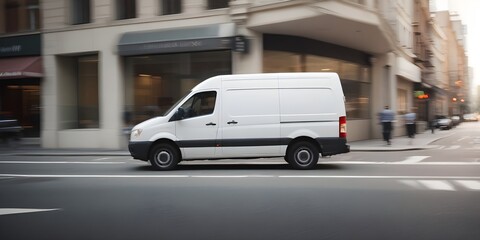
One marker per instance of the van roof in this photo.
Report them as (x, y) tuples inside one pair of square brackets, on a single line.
[(214, 82)]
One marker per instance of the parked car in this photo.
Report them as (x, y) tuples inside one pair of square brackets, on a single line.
[(10, 131), (443, 122), (455, 120), (470, 117)]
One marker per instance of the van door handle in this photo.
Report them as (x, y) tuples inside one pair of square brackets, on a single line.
[(232, 122), (211, 124)]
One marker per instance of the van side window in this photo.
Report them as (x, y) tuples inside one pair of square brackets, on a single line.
[(200, 104)]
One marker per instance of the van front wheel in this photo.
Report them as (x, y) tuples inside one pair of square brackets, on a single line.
[(164, 157), (302, 155)]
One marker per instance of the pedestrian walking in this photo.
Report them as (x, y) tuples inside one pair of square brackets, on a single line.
[(410, 118), (387, 117)]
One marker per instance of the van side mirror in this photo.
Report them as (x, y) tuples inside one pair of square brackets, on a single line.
[(179, 115)]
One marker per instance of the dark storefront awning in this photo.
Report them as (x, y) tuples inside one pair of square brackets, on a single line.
[(21, 67), (200, 38)]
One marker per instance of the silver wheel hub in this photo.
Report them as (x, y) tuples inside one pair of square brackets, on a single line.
[(163, 157), (304, 156)]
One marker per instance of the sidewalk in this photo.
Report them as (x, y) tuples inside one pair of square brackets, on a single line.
[(31, 147), (402, 143)]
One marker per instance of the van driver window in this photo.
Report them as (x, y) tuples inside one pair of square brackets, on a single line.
[(200, 104)]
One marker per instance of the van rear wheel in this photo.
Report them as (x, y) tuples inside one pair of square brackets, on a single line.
[(302, 155), (164, 157)]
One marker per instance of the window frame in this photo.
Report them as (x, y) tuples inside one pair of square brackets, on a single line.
[(217, 4), (171, 7), (194, 99), (126, 9), (84, 16)]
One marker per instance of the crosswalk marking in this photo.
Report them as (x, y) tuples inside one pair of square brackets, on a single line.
[(442, 184), (437, 185), (470, 184), (453, 147)]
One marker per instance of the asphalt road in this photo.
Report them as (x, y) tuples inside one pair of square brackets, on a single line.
[(430, 194)]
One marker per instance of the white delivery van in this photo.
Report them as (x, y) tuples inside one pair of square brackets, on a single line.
[(295, 115)]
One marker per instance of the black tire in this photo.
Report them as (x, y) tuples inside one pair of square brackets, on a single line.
[(164, 156), (303, 155)]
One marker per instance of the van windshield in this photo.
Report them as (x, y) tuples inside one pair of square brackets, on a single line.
[(175, 104)]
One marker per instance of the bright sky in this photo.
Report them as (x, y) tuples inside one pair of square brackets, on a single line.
[(469, 11)]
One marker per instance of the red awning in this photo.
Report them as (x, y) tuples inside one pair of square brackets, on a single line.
[(21, 67)]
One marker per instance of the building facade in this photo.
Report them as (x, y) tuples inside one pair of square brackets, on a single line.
[(111, 64), (457, 62)]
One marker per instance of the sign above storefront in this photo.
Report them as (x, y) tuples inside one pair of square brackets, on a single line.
[(175, 46), (202, 38), (25, 45)]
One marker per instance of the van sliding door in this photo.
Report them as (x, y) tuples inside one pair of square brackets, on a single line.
[(250, 121)]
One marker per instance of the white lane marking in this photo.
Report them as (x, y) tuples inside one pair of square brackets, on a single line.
[(101, 159), (402, 163), (241, 176), (414, 159), (453, 147), (7, 211), (2, 178), (224, 176), (92, 176), (470, 184), (438, 185), (380, 177), (405, 162), (350, 162), (56, 162), (227, 162)]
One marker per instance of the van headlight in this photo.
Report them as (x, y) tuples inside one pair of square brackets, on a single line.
[(136, 133)]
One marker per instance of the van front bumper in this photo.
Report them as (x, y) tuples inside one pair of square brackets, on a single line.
[(139, 150)]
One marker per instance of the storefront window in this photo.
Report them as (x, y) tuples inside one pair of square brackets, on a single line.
[(355, 77), (277, 61), (321, 64), (155, 82)]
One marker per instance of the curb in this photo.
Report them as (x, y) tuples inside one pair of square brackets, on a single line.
[(391, 149)]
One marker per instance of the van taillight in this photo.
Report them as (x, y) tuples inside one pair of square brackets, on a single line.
[(343, 127)]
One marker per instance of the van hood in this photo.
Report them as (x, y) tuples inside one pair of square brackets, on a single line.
[(150, 122)]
